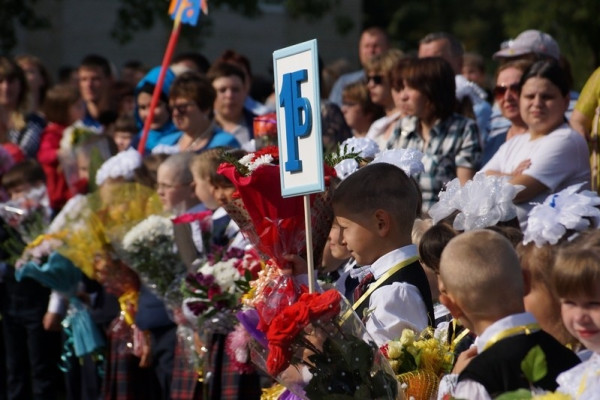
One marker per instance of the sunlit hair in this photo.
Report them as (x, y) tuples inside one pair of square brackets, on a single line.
[(11, 71), (35, 61), (26, 172), (520, 64), (205, 165), (432, 244), (95, 61), (456, 47), (384, 63), (225, 70), (550, 70), (357, 92), (434, 78), (194, 87), (59, 99), (233, 57), (379, 186), (577, 271), (179, 165)]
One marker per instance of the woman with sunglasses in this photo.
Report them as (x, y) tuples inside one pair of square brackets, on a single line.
[(379, 83), (506, 96), (550, 156)]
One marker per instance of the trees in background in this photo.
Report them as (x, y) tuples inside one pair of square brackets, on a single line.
[(481, 24)]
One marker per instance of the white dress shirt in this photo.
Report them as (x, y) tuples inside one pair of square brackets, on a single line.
[(397, 306)]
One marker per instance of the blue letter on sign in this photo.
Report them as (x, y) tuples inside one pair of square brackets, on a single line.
[(294, 107)]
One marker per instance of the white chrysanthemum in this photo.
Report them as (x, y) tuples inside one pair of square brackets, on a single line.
[(148, 231), (408, 160), (566, 210), (225, 274), (262, 160), (247, 159), (366, 148), (482, 202), (122, 164)]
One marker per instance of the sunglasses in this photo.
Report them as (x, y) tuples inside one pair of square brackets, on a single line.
[(377, 79), (500, 91)]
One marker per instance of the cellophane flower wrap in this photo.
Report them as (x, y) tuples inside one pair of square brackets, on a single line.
[(419, 361), (149, 248), (212, 294), (29, 215), (318, 348), (273, 224)]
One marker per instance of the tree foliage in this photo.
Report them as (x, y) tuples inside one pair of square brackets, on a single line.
[(21, 12)]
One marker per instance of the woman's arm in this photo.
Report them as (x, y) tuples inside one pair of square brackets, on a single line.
[(533, 187), (464, 174)]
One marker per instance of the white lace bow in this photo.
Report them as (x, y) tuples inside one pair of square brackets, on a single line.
[(482, 202), (566, 210)]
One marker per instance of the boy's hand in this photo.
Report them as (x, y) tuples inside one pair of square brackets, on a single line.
[(51, 322), (464, 359)]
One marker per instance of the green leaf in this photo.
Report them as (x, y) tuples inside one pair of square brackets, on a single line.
[(521, 394), (534, 365)]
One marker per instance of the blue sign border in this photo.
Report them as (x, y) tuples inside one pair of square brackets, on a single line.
[(319, 186)]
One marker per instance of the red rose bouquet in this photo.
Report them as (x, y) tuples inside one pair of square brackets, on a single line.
[(317, 349)]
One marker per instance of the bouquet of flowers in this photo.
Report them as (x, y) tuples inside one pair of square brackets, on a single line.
[(212, 294), (419, 361), (39, 250), (273, 224), (317, 349), (29, 215), (149, 249)]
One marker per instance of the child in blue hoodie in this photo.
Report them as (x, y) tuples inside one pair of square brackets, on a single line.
[(162, 127)]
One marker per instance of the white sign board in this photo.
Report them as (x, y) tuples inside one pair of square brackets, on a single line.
[(299, 119)]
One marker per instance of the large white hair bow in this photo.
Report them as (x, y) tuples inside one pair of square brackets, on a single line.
[(408, 160), (481, 202), (566, 210)]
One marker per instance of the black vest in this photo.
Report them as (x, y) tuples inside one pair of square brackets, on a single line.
[(498, 368), (412, 274)]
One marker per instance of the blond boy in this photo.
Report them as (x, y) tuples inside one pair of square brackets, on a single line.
[(482, 285)]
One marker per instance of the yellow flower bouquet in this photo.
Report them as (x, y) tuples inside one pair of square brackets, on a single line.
[(419, 360)]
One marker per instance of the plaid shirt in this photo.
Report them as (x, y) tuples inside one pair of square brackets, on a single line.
[(454, 143)]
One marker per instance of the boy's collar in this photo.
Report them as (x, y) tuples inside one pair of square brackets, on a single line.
[(387, 261), (505, 323)]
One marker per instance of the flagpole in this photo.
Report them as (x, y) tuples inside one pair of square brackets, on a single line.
[(159, 84)]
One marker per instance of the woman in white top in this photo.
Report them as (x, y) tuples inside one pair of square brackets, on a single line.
[(551, 155)]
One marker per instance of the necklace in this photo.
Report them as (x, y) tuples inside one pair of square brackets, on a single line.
[(198, 139)]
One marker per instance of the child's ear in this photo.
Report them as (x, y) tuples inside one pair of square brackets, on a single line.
[(451, 304), (383, 219)]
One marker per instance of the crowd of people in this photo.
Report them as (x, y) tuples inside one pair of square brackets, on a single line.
[(468, 210)]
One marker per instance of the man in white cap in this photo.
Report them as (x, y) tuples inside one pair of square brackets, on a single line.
[(529, 43)]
